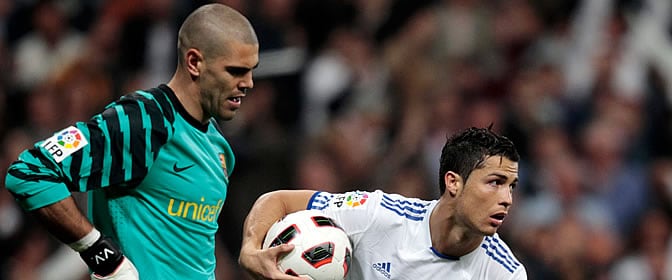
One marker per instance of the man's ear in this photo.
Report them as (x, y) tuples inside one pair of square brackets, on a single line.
[(453, 183), (193, 58)]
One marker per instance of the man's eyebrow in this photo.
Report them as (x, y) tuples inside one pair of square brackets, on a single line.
[(504, 177), (242, 67)]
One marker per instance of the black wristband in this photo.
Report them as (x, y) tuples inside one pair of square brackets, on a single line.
[(103, 257)]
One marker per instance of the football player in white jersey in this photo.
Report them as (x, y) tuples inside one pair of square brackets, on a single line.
[(395, 237)]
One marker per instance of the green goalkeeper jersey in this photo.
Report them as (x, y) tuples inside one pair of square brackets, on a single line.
[(157, 180)]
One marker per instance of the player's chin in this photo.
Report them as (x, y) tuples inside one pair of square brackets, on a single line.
[(489, 229), (227, 115), (488, 232)]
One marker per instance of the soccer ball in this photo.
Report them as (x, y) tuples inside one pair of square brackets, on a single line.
[(322, 250)]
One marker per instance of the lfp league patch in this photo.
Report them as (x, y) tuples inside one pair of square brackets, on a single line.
[(350, 199), (64, 143)]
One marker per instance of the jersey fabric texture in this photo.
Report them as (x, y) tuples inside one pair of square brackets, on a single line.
[(157, 179), (391, 240)]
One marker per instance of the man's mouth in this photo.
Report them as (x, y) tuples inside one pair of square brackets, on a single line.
[(499, 216), (235, 99), (497, 219)]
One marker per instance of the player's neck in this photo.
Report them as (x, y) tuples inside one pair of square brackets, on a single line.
[(188, 95), (448, 237)]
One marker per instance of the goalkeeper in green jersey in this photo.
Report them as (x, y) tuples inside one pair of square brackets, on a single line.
[(154, 163)]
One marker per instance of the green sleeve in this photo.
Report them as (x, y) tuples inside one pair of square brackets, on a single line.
[(115, 148)]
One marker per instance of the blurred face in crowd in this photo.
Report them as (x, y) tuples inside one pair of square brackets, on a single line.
[(49, 21)]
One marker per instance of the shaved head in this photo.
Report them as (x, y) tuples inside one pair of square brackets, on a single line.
[(211, 28)]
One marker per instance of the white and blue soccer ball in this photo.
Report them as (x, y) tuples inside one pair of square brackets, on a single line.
[(322, 250)]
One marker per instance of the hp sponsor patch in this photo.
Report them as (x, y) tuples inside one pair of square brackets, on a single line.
[(64, 143)]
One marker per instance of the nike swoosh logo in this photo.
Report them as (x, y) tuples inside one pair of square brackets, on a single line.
[(180, 169)]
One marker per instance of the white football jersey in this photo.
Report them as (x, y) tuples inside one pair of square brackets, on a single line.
[(391, 240)]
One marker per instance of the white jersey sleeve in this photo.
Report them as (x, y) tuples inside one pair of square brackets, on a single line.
[(352, 211)]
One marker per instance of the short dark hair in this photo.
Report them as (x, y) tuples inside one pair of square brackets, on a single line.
[(211, 27), (468, 150)]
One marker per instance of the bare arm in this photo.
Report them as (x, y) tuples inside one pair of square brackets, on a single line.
[(64, 220), (270, 207)]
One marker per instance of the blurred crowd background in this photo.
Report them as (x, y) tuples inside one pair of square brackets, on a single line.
[(361, 94)]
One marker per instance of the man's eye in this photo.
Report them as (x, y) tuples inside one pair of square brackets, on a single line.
[(237, 71)]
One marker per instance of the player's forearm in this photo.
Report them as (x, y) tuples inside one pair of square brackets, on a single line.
[(64, 220), (100, 253), (265, 211), (269, 208)]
